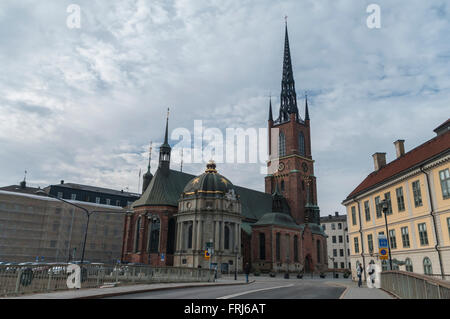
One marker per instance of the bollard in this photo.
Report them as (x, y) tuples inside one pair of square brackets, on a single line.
[(49, 283), (19, 274)]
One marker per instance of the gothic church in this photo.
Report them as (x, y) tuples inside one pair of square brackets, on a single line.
[(180, 215)]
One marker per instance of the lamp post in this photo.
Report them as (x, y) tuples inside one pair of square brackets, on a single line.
[(332, 260), (88, 215), (384, 206), (235, 265)]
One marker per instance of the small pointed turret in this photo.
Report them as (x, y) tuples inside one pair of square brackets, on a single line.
[(148, 175), (165, 149)]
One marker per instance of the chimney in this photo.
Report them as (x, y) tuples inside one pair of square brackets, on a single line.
[(400, 148), (379, 160), (62, 181), (336, 214)]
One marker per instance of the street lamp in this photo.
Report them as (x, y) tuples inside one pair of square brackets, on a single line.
[(88, 215), (332, 260), (384, 206), (235, 265)]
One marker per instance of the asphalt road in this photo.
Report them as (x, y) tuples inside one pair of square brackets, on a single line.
[(270, 289)]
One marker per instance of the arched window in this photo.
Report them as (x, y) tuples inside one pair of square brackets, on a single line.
[(227, 238), (278, 247), (154, 235), (281, 145), (189, 241), (137, 234), (288, 248), (301, 144), (408, 265), (171, 237), (282, 186), (262, 246), (427, 267), (296, 248), (318, 252)]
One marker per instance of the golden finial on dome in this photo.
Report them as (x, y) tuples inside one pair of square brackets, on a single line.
[(211, 167)]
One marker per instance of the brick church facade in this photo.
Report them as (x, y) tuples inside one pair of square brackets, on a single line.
[(179, 215)]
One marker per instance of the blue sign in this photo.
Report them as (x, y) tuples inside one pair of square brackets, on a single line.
[(162, 257), (382, 242)]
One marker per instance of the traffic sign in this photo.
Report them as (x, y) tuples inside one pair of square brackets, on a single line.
[(383, 253), (207, 254), (162, 257), (382, 241)]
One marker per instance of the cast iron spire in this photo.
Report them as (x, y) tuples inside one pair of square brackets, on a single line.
[(288, 95), (306, 108), (270, 110)]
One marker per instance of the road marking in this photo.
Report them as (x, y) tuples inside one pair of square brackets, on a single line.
[(252, 291)]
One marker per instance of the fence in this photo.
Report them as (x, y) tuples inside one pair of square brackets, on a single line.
[(46, 278), (410, 285)]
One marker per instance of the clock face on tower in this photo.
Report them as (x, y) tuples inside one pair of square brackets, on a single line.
[(305, 167), (281, 166)]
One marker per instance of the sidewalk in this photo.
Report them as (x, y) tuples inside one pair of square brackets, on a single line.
[(121, 290), (354, 292)]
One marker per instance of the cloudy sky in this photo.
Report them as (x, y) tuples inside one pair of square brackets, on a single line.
[(83, 104)]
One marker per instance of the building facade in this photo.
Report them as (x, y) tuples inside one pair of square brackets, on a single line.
[(92, 194), (416, 186), (38, 228), (275, 230), (335, 226)]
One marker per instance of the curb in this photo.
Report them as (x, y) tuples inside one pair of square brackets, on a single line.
[(113, 294)]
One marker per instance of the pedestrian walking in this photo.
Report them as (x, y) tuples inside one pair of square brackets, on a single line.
[(247, 271), (359, 274)]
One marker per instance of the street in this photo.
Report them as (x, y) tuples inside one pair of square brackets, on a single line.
[(262, 288)]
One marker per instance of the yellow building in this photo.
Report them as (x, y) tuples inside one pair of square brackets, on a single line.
[(416, 186)]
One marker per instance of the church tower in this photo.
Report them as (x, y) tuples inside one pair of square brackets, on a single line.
[(290, 166)]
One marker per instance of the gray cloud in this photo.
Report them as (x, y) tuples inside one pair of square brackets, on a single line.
[(82, 105)]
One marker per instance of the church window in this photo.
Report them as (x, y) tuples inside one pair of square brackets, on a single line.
[(301, 144), (154, 235), (189, 245), (227, 237), (137, 234), (278, 251), (282, 186), (296, 248), (288, 247), (318, 252), (282, 144), (262, 246)]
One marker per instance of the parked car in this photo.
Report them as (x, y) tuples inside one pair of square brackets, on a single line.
[(57, 270)]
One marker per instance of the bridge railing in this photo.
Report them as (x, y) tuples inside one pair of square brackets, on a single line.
[(410, 285), (17, 279)]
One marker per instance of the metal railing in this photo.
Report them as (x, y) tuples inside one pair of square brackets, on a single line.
[(410, 285), (16, 279)]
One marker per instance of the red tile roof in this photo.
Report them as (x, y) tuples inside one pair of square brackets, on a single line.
[(418, 155)]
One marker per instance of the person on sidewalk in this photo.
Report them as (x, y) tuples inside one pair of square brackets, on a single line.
[(247, 271), (359, 274)]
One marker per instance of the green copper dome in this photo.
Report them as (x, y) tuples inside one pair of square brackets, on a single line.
[(210, 183)]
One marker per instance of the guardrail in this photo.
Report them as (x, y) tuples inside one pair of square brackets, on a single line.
[(410, 285), (17, 279)]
